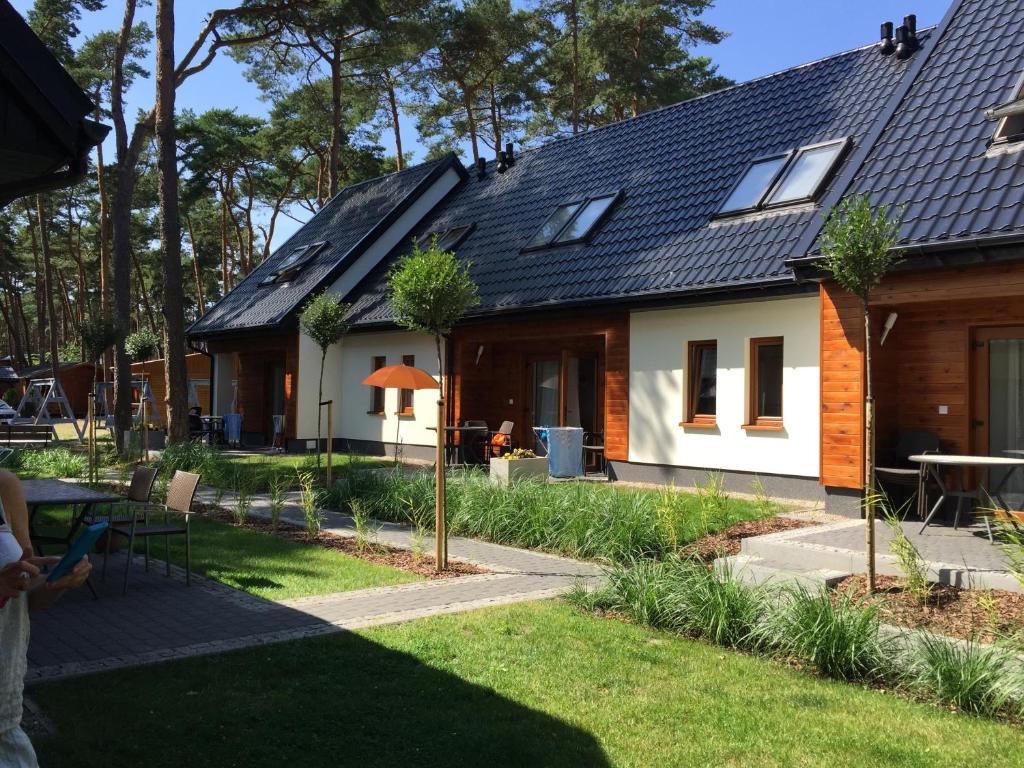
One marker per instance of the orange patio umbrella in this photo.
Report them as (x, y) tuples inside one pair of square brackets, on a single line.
[(401, 377)]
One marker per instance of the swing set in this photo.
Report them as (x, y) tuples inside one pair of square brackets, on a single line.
[(45, 395)]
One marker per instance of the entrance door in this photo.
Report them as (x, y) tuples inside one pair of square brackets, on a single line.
[(275, 384), (998, 418)]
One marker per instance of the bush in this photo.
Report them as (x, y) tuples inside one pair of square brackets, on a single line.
[(839, 639), (973, 678), (585, 520), (195, 456)]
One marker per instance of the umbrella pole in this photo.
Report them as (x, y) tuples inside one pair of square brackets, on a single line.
[(440, 534)]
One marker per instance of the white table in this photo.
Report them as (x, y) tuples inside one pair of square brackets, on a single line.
[(933, 463)]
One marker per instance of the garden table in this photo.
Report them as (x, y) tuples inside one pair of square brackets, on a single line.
[(59, 493), (934, 463), (456, 453)]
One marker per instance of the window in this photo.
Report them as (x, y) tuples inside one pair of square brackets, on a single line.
[(293, 263), (807, 173), (751, 189), (447, 239), (1010, 128), (572, 222), (765, 384), (377, 393), (785, 179), (405, 395), (701, 383)]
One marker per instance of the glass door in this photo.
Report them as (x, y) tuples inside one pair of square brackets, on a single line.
[(546, 378), (999, 404)]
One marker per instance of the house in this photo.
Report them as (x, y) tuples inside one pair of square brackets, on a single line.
[(655, 280), (197, 366)]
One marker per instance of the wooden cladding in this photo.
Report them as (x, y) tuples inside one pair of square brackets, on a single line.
[(258, 356), (923, 373), (492, 361)]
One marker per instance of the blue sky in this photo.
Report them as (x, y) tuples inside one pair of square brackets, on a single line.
[(765, 36)]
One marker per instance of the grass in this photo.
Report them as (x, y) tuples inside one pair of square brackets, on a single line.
[(262, 563), (587, 520), (533, 684)]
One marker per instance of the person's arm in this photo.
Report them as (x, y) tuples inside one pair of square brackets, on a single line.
[(42, 592)]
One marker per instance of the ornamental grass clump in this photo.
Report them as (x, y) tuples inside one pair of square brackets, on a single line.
[(311, 499), (839, 639), (973, 678)]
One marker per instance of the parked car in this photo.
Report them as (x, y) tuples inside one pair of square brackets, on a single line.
[(6, 412)]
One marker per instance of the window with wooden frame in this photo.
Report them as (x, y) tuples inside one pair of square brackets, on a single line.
[(701, 384), (765, 407), (405, 395), (377, 393)]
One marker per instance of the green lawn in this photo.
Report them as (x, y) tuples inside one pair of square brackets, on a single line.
[(267, 565), (529, 685)]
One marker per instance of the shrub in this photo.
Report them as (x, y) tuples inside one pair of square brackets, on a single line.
[(839, 639), (195, 456), (49, 462), (973, 678)]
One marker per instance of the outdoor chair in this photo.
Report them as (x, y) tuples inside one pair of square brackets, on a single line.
[(180, 492), (899, 478), (593, 452), (500, 442), (474, 443)]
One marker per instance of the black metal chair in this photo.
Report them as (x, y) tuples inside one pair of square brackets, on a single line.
[(899, 478), (180, 492), (593, 452), (473, 443)]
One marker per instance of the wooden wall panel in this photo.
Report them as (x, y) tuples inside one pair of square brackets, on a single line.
[(924, 364), (198, 367), (483, 388)]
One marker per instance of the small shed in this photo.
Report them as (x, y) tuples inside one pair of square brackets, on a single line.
[(197, 366)]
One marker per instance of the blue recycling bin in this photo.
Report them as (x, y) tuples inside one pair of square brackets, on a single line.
[(565, 451)]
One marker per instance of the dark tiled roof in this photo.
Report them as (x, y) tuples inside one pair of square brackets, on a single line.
[(675, 166), (348, 222), (932, 157)]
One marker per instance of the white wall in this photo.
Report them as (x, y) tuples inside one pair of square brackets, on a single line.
[(657, 345), (347, 365), (309, 353)]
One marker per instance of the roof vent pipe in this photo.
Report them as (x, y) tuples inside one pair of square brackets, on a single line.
[(481, 168), (903, 49), (502, 162), (886, 47), (510, 159)]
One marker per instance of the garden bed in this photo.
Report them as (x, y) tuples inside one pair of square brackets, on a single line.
[(986, 615), (374, 552), (728, 542)]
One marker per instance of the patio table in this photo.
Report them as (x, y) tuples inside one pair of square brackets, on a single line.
[(934, 462), (455, 453), (58, 493)]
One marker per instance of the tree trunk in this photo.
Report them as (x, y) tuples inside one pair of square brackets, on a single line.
[(121, 222), (175, 375), (319, 408), (44, 247), (39, 286), (395, 125), (495, 120), (467, 102), (574, 23), (869, 454), (200, 302), (144, 293), (335, 151)]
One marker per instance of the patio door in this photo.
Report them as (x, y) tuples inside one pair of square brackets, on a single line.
[(563, 392), (998, 418), (546, 393)]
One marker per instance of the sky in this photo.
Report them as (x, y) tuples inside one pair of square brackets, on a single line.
[(765, 36)]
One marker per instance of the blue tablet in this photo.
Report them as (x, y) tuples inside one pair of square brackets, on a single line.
[(83, 546)]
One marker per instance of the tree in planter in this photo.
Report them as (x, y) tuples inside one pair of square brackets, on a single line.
[(429, 290), (858, 246), (99, 334), (142, 346), (323, 319)]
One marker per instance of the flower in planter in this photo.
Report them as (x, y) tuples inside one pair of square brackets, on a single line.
[(519, 453)]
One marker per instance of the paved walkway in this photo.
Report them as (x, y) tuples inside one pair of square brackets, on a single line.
[(160, 619)]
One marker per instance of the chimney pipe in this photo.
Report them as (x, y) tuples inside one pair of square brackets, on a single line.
[(510, 158), (903, 49), (910, 22), (886, 46), (481, 168), (502, 161)]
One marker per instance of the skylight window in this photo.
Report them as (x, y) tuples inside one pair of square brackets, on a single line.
[(751, 189), (447, 239), (572, 222), (785, 179), (807, 173), (293, 263), (1010, 128)]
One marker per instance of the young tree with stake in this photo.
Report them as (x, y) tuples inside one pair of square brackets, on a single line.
[(429, 290), (858, 246), (324, 320), (142, 346)]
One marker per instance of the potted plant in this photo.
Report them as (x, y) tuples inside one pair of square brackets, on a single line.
[(520, 464)]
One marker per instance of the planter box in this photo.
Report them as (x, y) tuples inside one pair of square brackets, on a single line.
[(506, 471)]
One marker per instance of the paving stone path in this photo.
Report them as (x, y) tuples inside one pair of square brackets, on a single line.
[(160, 619)]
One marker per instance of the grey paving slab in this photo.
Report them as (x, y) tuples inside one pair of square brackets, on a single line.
[(160, 618)]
